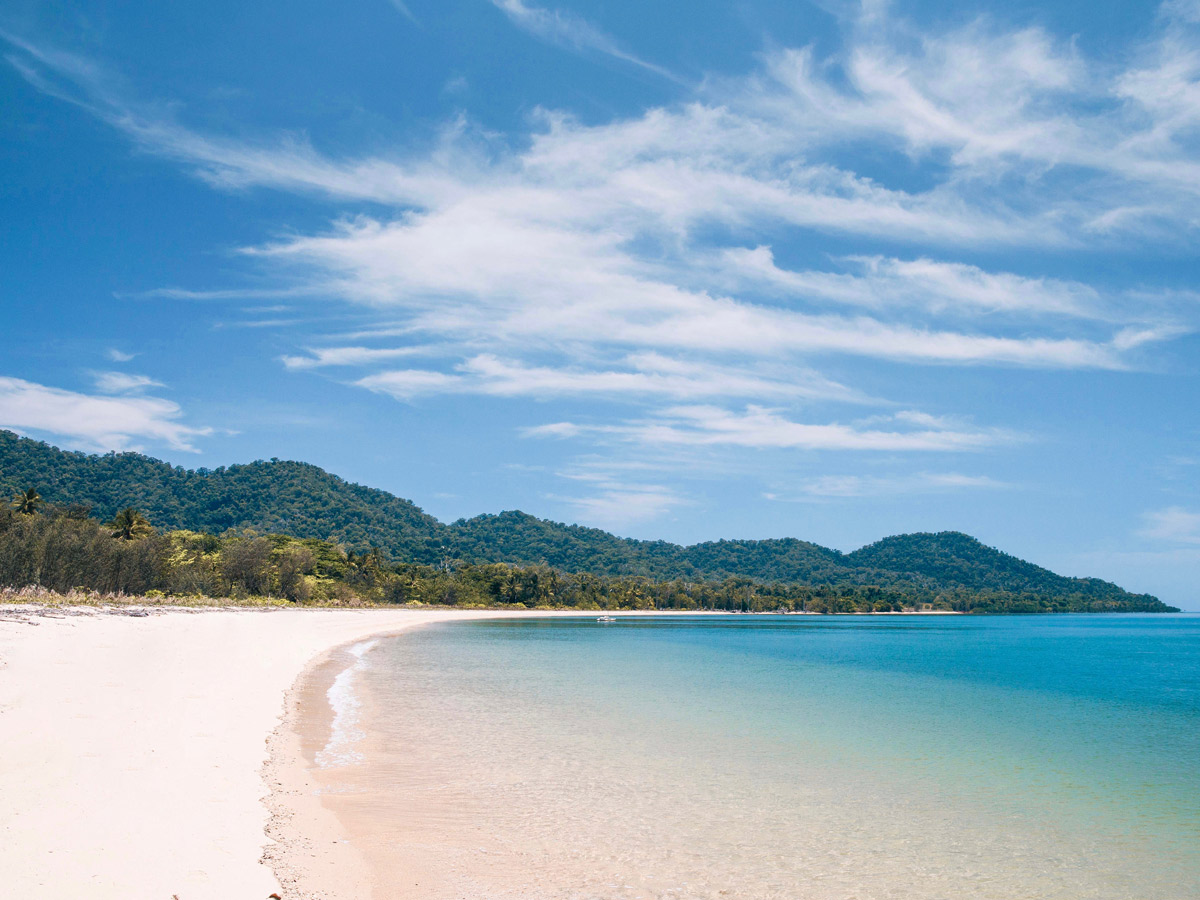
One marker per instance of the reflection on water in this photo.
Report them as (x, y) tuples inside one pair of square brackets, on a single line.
[(789, 757)]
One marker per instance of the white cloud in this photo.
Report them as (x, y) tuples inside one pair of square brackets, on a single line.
[(404, 384), (636, 258), (456, 85), (463, 276), (614, 493), (1000, 102), (346, 356), (401, 7), (1182, 10), (614, 504), (174, 293), (762, 428), (566, 29), (123, 383), (1173, 524), (765, 146), (644, 374), (845, 486), (118, 356), (94, 422), (982, 95), (882, 283)]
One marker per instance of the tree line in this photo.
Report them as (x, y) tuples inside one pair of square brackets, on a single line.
[(64, 548), (302, 500)]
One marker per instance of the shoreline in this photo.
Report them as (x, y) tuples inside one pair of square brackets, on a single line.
[(146, 751), (135, 743), (151, 751), (311, 852), (307, 848)]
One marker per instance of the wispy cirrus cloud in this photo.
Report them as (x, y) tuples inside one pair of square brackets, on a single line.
[(244, 293), (955, 290), (642, 260), (456, 275), (618, 493), (1174, 525), (322, 357), (401, 7), (1181, 11), (837, 487), (123, 382), (94, 422), (614, 503), (1000, 101), (645, 374), (567, 29), (760, 427)]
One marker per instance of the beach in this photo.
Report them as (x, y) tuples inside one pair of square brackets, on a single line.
[(134, 745), (236, 753)]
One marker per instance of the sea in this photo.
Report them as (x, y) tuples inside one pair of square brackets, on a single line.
[(749, 756)]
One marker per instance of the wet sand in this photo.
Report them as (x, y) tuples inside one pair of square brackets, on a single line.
[(328, 842)]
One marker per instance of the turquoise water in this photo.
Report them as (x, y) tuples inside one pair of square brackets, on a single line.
[(787, 756)]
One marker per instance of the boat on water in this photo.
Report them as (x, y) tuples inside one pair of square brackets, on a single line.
[(606, 618)]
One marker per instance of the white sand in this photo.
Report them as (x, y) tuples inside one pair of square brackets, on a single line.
[(131, 749)]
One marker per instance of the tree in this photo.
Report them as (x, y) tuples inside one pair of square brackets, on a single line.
[(294, 564), (27, 502), (246, 564), (129, 525)]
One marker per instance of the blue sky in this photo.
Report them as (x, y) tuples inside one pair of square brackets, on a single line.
[(679, 270)]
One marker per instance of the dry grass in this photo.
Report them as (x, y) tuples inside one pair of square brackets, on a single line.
[(39, 596)]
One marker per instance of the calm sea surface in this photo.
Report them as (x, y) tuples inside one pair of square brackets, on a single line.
[(779, 757)]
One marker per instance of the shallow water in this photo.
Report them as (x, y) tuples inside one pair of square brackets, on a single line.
[(780, 757)]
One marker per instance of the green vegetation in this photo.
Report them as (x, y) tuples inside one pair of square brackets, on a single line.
[(65, 550), (292, 530)]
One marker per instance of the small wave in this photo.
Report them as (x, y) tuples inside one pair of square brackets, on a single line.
[(344, 732)]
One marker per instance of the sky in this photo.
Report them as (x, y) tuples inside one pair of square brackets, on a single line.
[(682, 270)]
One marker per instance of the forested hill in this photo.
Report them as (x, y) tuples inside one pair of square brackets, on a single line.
[(274, 496), (303, 500)]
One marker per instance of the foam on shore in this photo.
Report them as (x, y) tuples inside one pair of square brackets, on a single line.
[(344, 702)]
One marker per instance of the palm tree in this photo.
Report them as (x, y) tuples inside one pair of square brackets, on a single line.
[(27, 502), (129, 524)]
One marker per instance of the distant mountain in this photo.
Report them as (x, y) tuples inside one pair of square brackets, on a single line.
[(955, 558), (295, 498)]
